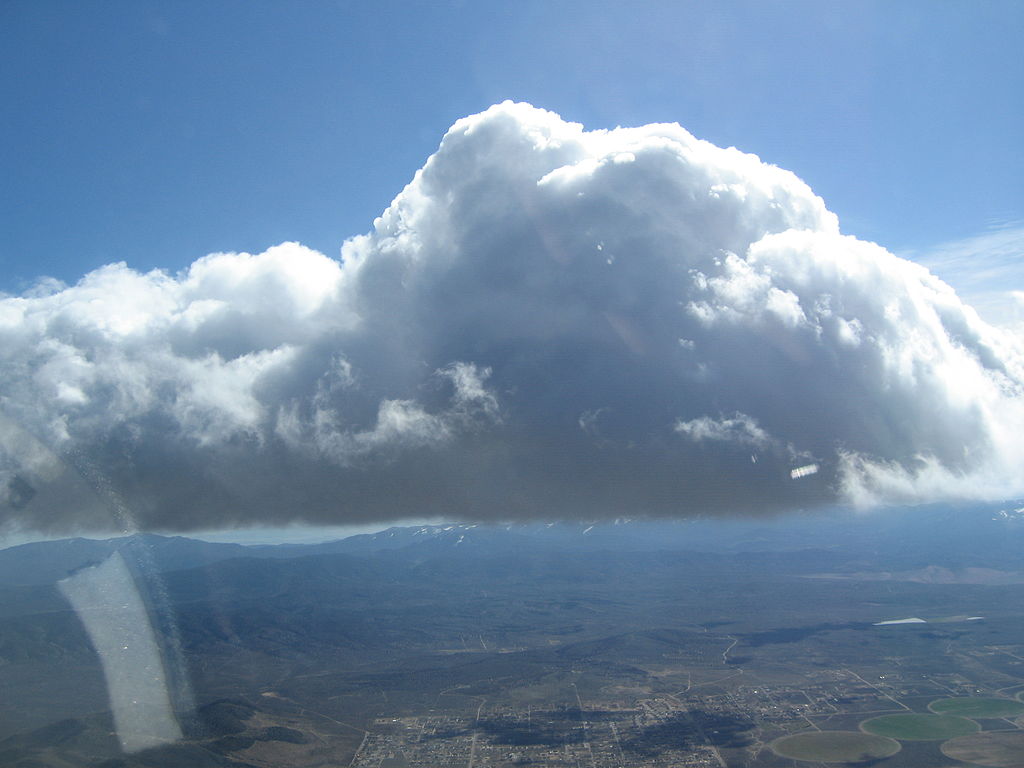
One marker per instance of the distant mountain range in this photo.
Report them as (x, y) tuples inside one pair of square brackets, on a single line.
[(988, 536)]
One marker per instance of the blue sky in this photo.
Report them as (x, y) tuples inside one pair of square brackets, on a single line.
[(157, 132)]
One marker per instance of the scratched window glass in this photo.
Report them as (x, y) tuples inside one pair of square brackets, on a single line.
[(541, 385)]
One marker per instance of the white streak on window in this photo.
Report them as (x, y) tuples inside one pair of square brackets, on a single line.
[(108, 603)]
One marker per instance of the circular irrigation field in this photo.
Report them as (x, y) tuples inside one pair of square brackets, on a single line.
[(969, 706), (1000, 749), (835, 746), (912, 727)]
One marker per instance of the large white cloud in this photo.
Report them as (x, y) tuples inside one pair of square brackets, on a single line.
[(545, 322)]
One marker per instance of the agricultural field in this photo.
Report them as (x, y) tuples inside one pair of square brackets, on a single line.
[(915, 727), (977, 707), (835, 747), (999, 749)]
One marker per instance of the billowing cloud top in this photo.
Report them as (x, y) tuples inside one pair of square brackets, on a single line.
[(545, 322)]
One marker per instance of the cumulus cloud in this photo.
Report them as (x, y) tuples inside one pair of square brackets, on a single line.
[(545, 322)]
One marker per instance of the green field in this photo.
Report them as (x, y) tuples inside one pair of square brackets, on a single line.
[(977, 707), (920, 727), (835, 746)]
